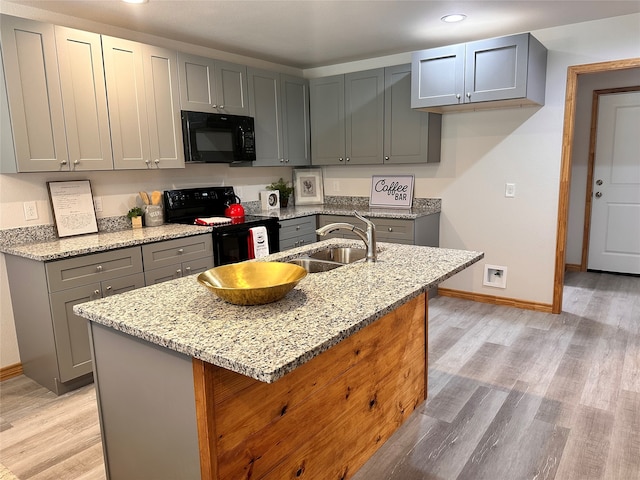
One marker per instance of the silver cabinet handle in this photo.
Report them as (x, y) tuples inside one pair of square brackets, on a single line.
[(178, 272), (297, 227), (390, 229), (99, 268), (386, 159), (147, 161), (180, 251), (458, 96), (96, 292), (340, 159), (348, 159), (214, 106), (76, 162), (468, 94), (188, 269), (63, 162), (221, 106), (598, 194), (282, 160), (157, 161), (598, 182)]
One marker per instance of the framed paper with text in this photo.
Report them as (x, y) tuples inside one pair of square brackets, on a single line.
[(391, 191), (73, 210)]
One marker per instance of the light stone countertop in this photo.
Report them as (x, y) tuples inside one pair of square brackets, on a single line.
[(265, 342), (99, 242)]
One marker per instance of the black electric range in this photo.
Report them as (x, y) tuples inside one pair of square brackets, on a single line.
[(230, 240)]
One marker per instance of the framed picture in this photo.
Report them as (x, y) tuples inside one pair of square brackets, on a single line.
[(308, 186), (391, 191), (73, 210)]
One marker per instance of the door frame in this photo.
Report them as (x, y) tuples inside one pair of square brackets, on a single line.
[(591, 165), (565, 166)]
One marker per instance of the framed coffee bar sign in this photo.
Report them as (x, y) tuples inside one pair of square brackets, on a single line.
[(391, 191)]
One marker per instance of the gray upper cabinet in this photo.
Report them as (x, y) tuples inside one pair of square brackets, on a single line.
[(208, 85), (506, 71), (144, 109), (48, 137), (366, 118), (410, 136), (347, 118), (81, 101), (280, 106)]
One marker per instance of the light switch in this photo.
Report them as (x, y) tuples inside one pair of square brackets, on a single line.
[(510, 190)]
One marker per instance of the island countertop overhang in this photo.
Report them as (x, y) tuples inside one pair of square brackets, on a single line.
[(265, 342)]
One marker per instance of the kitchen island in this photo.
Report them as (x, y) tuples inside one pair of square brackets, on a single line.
[(308, 387)]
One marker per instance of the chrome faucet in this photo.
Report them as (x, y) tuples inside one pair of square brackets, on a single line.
[(368, 236)]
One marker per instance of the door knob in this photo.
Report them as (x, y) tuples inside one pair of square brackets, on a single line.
[(598, 182), (598, 194)]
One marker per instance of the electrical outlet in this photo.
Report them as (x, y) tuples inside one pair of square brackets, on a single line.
[(97, 204), (30, 210), (510, 190)]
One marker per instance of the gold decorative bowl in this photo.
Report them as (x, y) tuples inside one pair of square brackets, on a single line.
[(252, 283)]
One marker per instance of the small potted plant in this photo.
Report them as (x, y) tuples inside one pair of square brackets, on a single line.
[(135, 214), (285, 189)]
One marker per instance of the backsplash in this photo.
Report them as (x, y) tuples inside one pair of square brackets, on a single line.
[(45, 233)]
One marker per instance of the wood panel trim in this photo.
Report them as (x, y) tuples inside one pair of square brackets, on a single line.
[(495, 300), (205, 419), (572, 267), (10, 371), (565, 167)]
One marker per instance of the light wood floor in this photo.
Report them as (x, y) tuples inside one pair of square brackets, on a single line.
[(513, 394)]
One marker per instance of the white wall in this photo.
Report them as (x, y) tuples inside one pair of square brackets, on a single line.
[(480, 152)]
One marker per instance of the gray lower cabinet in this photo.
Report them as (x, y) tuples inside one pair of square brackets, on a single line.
[(420, 231), (297, 232), (53, 341), (177, 258), (510, 70)]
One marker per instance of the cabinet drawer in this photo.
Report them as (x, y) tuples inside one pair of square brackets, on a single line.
[(394, 230), (298, 241), (197, 266), (175, 252), (97, 267), (297, 227)]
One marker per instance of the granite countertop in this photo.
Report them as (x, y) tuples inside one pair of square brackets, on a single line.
[(99, 242), (265, 342)]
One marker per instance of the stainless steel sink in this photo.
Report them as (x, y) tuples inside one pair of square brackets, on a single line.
[(313, 265), (342, 255)]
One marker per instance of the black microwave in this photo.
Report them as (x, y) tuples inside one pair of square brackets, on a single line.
[(218, 138)]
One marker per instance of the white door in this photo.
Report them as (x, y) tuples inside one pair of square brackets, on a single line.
[(614, 241)]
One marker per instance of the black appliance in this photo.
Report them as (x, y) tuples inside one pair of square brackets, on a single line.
[(231, 240), (218, 138)]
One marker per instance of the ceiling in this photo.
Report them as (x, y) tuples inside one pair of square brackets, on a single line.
[(313, 33)]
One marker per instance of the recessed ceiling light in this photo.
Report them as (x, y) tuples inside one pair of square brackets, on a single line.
[(135, 1), (453, 18)]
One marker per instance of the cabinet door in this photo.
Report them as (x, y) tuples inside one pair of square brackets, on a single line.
[(364, 116), (406, 131), (177, 251), (296, 131), (438, 76), (122, 284), (84, 99), (197, 83), (160, 69), (71, 334), (496, 69), (264, 107), (33, 89), (327, 120), (231, 86), (123, 64)]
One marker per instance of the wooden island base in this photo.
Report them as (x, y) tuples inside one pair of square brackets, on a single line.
[(325, 419)]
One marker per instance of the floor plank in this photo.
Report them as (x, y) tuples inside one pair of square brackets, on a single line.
[(513, 394)]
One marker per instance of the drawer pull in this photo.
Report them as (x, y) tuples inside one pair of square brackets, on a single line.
[(297, 227), (390, 229), (180, 251), (188, 269), (178, 272), (96, 292), (99, 268)]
